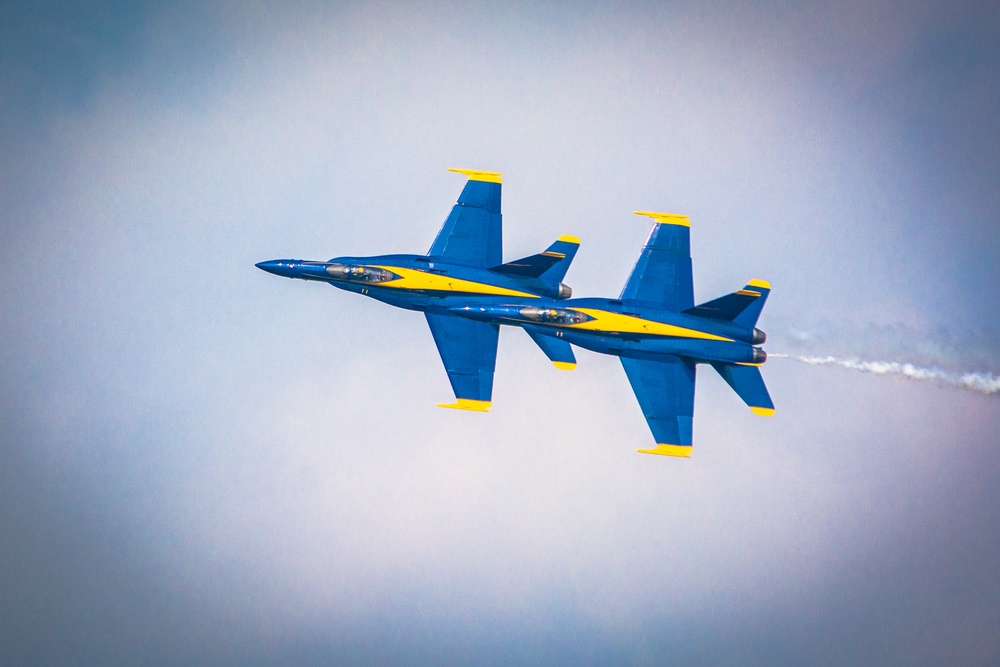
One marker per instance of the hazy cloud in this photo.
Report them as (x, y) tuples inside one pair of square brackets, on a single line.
[(204, 463)]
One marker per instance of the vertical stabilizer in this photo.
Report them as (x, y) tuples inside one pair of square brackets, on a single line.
[(550, 266), (742, 307)]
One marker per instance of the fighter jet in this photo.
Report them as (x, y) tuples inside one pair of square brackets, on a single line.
[(462, 269), (658, 332)]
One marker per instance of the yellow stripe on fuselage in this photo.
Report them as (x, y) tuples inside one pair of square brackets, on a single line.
[(412, 279), (618, 323)]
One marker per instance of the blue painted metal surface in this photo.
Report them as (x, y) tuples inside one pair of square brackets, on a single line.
[(466, 294), (463, 267)]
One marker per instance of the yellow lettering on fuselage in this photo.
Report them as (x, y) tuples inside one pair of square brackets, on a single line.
[(411, 279), (619, 323)]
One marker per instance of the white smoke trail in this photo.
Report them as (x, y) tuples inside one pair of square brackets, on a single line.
[(981, 383)]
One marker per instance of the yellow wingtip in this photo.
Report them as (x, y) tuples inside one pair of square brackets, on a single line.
[(666, 218), (567, 238), (763, 412), (564, 365), (683, 451), (757, 282), (476, 175), (467, 404)]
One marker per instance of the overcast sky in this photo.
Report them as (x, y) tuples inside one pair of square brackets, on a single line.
[(201, 463)]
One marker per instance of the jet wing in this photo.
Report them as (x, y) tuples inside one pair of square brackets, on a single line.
[(665, 389), (662, 275), (473, 233), (469, 352)]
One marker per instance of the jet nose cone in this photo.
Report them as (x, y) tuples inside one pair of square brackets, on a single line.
[(279, 267)]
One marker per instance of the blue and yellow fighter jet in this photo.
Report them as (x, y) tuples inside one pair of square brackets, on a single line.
[(658, 332), (462, 269)]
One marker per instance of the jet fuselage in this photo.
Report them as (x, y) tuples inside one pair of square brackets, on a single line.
[(466, 292), (416, 282), (608, 326)]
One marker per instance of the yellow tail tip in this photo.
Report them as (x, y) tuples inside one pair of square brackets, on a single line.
[(476, 175), (763, 412), (757, 282), (568, 238), (564, 365), (467, 404), (666, 218), (683, 451)]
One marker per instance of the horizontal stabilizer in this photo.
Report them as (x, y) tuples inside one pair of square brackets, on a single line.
[(748, 383), (550, 266), (742, 307), (557, 350)]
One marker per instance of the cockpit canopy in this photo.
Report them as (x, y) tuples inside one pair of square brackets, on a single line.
[(356, 273), (560, 316)]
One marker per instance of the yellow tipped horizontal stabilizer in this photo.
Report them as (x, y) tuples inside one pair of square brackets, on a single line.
[(666, 218), (467, 404), (669, 450), (564, 365), (568, 238), (474, 175), (757, 282), (763, 412)]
